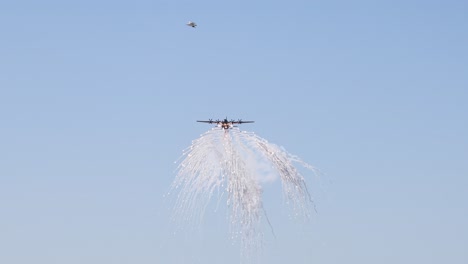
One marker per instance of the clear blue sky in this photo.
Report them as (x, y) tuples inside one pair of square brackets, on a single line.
[(98, 98)]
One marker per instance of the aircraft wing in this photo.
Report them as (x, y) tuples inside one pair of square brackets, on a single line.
[(209, 122), (242, 122)]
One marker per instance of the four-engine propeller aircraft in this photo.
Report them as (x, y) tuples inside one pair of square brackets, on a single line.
[(225, 124)]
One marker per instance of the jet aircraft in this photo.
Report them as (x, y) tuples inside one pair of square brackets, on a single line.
[(225, 124), (191, 24)]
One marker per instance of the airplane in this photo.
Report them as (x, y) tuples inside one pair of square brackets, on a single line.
[(225, 124), (191, 24)]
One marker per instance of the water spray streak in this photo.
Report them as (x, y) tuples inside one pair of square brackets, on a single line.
[(236, 163)]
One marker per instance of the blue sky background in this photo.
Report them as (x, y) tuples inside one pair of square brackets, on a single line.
[(98, 98)]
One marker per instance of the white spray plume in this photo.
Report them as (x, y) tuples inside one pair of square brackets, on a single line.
[(237, 162)]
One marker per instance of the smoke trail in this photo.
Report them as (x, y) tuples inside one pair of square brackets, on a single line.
[(233, 162)]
